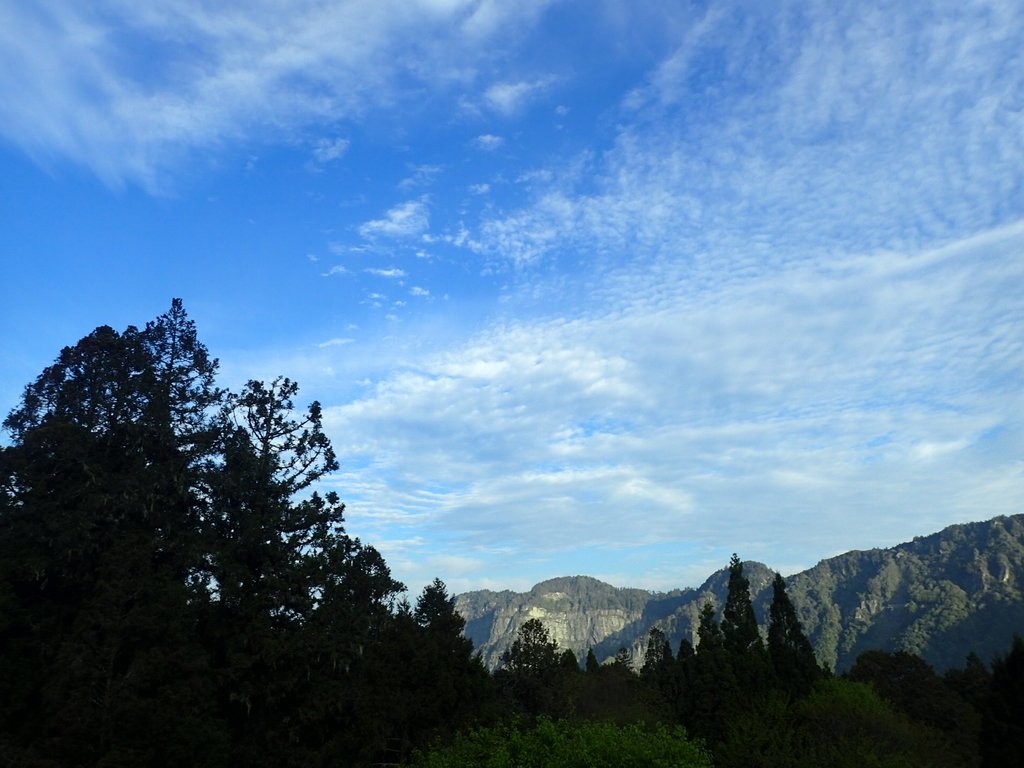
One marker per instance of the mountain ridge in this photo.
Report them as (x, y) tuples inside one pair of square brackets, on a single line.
[(940, 595)]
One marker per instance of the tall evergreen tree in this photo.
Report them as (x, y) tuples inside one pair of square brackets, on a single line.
[(295, 597), (528, 671), (658, 656), (791, 654), (711, 690), (419, 682), (98, 553), (1002, 731), (170, 590), (739, 624), (709, 632)]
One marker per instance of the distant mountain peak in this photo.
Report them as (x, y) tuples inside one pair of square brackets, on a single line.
[(941, 595)]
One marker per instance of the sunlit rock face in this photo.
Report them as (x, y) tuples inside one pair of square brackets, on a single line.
[(940, 596), (579, 613)]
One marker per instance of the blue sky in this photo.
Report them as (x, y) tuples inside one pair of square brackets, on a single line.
[(597, 287)]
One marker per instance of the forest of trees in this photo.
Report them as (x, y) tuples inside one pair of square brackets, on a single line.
[(174, 591)]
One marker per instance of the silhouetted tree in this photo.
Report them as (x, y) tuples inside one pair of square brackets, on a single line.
[(792, 657), (709, 632), (528, 671), (170, 590), (739, 624), (1002, 732)]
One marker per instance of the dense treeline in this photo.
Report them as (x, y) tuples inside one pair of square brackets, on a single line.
[(766, 701), (174, 591)]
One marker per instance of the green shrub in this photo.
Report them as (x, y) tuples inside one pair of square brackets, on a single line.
[(568, 744)]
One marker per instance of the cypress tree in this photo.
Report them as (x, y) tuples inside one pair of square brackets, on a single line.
[(739, 624), (709, 633), (791, 654), (658, 656)]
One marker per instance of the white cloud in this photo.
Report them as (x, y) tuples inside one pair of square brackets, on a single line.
[(511, 97), (335, 342), (422, 176), (418, 291), (488, 142), (337, 269), (328, 150), (408, 219), (392, 273)]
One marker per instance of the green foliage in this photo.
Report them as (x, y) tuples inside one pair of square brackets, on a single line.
[(564, 744), (841, 724), (911, 686)]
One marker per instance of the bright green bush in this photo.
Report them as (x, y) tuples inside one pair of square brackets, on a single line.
[(566, 744)]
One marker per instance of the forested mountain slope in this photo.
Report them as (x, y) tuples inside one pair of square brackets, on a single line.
[(940, 596)]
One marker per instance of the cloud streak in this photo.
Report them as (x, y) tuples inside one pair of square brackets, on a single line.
[(127, 89)]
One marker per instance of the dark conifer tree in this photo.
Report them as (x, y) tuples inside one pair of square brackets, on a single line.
[(592, 663), (99, 555), (686, 650), (739, 624), (791, 654), (1002, 732), (709, 632), (170, 591), (657, 658), (711, 690), (419, 681), (528, 671)]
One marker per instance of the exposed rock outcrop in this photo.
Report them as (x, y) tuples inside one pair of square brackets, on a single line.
[(939, 596)]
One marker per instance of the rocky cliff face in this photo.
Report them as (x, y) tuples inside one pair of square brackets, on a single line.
[(579, 612), (939, 596)]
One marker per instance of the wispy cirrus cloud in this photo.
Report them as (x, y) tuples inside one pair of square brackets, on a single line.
[(337, 341), (837, 131), (126, 89)]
